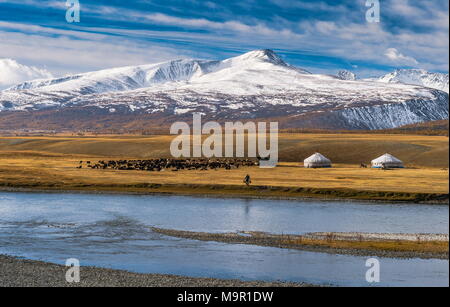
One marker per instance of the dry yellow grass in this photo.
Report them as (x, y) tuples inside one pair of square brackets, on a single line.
[(435, 247), (52, 170), (414, 150), (51, 161)]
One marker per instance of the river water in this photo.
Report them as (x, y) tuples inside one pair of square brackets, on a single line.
[(113, 231)]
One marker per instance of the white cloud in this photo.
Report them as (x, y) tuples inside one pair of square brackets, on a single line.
[(12, 73), (346, 37), (398, 58), (433, 14), (67, 51), (253, 26)]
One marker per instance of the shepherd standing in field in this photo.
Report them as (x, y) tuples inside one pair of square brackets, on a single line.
[(247, 180)]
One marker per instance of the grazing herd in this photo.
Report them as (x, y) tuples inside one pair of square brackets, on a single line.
[(158, 165)]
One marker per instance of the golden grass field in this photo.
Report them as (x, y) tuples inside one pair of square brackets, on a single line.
[(50, 162)]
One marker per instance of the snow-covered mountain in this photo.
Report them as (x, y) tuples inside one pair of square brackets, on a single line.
[(346, 75), (171, 74), (418, 77), (12, 73), (258, 84)]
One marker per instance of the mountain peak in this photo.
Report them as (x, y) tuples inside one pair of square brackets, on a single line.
[(346, 75), (419, 77), (265, 55)]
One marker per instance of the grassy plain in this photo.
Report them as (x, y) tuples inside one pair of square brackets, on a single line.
[(49, 162)]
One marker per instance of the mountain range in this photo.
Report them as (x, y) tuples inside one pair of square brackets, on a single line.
[(256, 85)]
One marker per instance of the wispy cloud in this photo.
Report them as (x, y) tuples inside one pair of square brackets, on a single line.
[(68, 51), (395, 56), (12, 73), (319, 35)]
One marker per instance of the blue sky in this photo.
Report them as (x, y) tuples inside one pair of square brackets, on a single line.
[(322, 36)]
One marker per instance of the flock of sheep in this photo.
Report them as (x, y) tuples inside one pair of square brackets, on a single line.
[(172, 164)]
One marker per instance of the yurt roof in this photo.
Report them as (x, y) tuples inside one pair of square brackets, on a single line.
[(386, 158), (317, 157)]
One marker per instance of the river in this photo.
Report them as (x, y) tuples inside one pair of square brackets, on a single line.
[(113, 231)]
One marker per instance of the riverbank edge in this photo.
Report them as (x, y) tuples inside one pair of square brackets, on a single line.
[(18, 272), (234, 191), (280, 241)]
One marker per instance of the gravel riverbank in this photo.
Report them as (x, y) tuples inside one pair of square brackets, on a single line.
[(355, 244), (16, 272), (355, 236)]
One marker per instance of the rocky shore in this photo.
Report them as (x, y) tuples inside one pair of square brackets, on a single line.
[(357, 236), (16, 272)]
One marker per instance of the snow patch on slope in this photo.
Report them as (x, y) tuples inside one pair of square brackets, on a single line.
[(418, 77), (346, 75)]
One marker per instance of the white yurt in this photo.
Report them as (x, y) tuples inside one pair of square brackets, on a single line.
[(317, 160), (387, 161)]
